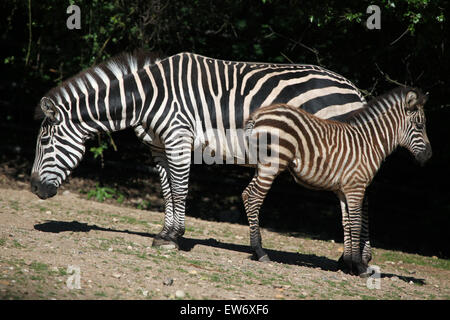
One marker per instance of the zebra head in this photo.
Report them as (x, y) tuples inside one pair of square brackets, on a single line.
[(59, 149), (414, 136)]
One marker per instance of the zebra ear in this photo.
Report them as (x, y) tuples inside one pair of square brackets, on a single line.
[(411, 100), (425, 98), (49, 109)]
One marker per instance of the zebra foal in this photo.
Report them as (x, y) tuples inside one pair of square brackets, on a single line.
[(342, 157)]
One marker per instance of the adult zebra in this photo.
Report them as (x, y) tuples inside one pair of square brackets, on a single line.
[(173, 104), (338, 156)]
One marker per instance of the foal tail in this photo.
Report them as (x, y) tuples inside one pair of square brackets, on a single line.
[(254, 116), (249, 126)]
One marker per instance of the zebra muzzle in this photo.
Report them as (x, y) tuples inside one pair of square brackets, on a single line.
[(425, 155), (42, 190)]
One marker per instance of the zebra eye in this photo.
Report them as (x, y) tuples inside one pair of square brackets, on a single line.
[(53, 121), (419, 125)]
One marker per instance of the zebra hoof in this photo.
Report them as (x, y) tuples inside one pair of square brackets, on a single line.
[(164, 243), (341, 265), (364, 271), (264, 258), (365, 274)]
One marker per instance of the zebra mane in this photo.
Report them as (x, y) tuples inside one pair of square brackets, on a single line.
[(379, 103), (116, 67)]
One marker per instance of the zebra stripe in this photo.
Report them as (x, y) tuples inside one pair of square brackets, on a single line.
[(175, 105), (342, 157)]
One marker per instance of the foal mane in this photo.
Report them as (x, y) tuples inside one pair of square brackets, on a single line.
[(399, 92)]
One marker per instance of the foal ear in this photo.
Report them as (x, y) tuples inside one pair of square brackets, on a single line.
[(411, 100), (49, 109), (425, 98)]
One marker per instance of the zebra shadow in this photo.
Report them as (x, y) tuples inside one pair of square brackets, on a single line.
[(292, 258), (187, 244), (404, 278)]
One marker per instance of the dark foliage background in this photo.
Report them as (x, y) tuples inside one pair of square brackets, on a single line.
[(409, 205)]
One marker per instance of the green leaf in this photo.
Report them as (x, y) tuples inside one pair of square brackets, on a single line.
[(241, 24)]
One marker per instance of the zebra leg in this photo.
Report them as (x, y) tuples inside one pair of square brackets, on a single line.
[(179, 159), (253, 197), (354, 205), (163, 239), (366, 250), (344, 261)]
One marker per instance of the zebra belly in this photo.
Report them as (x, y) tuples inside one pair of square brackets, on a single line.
[(226, 148), (321, 178)]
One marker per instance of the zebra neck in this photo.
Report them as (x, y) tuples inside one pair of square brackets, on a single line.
[(378, 127), (116, 106)]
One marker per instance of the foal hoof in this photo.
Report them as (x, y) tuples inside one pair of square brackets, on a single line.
[(264, 258), (365, 274), (354, 268), (166, 244)]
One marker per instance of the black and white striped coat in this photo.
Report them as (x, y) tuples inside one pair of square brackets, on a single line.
[(342, 157), (174, 104)]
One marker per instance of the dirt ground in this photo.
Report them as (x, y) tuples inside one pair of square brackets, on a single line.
[(69, 247)]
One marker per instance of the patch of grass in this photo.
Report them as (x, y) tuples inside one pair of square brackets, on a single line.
[(331, 283), (215, 277), (142, 255), (129, 220), (62, 272), (249, 274), (346, 292), (2, 242), (366, 297), (227, 234), (10, 296), (100, 294), (103, 193), (195, 230), (14, 204), (38, 266), (195, 262), (266, 282), (392, 295), (143, 205), (415, 259), (17, 244)]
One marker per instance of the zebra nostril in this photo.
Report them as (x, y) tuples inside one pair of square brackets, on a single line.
[(34, 183), (34, 188)]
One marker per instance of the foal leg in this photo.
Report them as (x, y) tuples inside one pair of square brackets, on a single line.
[(253, 197), (354, 199), (344, 261), (366, 250)]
